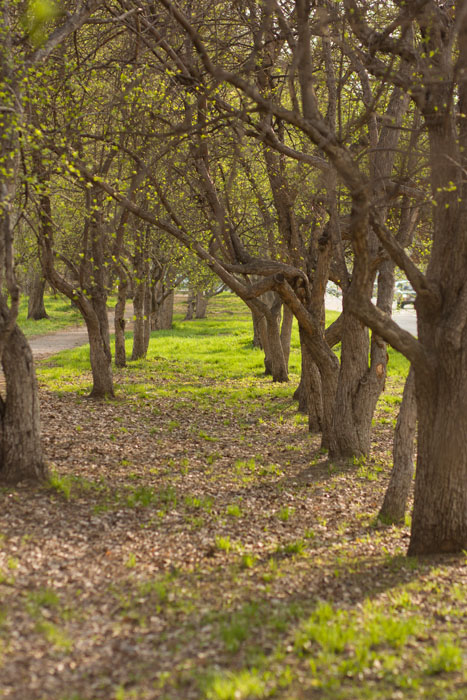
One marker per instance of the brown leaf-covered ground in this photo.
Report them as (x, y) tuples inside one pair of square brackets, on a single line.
[(194, 543)]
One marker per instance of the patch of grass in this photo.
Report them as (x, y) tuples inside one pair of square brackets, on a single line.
[(199, 502), (445, 658), (54, 635), (285, 513), (61, 483), (143, 496), (234, 510), (223, 543), (61, 315), (235, 685), (291, 548)]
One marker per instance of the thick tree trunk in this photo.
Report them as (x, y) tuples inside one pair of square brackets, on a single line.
[(119, 323), (100, 357), (162, 309), (358, 389), (274, 355), (36, 306), (300, 392), (20, 452), (350, 431), (308, 393), (313, 394), (166, 312), (256, 318), (439, 520), (400, 483), (201, 305)]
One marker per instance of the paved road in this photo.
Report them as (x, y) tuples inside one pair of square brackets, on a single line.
[(406, 318)]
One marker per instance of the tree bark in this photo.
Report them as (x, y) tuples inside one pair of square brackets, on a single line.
[(350, 431), (312, 392), (20, 452), (286, 333), (396, 496), (439, 520), (36, 306), (119, 322), (166, 312), (256, 318), (139, 345), (147, 317), (100, 357), (268, 326), (276, 355), (201, 305), (190, 310)]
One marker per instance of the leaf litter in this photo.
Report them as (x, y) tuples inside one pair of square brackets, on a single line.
[(184, 540)]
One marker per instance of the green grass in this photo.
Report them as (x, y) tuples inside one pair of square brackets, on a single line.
[(61, 315), (230, 577)]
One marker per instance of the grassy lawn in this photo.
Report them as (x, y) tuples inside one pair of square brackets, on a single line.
[(193, 542), (60, 312)]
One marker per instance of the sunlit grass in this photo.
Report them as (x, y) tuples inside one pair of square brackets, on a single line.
[(61, 314)]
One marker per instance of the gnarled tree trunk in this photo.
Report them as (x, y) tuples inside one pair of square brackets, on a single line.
[(286, 333), (36, 306), (439, 520), (20, 450), (397, 493)]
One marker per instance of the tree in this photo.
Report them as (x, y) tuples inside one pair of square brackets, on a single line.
[(20, 449), (431, 39)]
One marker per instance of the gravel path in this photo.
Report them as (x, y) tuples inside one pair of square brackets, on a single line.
[(69, 338), (43, 345)]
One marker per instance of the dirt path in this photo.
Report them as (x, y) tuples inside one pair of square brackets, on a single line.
[(68, 338), (52, 343)]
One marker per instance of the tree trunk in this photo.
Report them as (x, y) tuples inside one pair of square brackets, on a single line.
[(162, 308), (350, 431), (308, 392), (439, 520), (313, 397), (274, 360), (100, 357), (190, 306), (278, 367), (139, 349), (256, 318), (147, 317), (397, 493), (20, 453), (300, 393), (166, 312), (201, 305), (358, 389), (286, 333), (119, 323), (36, 307)]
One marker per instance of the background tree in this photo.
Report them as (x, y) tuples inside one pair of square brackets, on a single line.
[(20, 452)]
